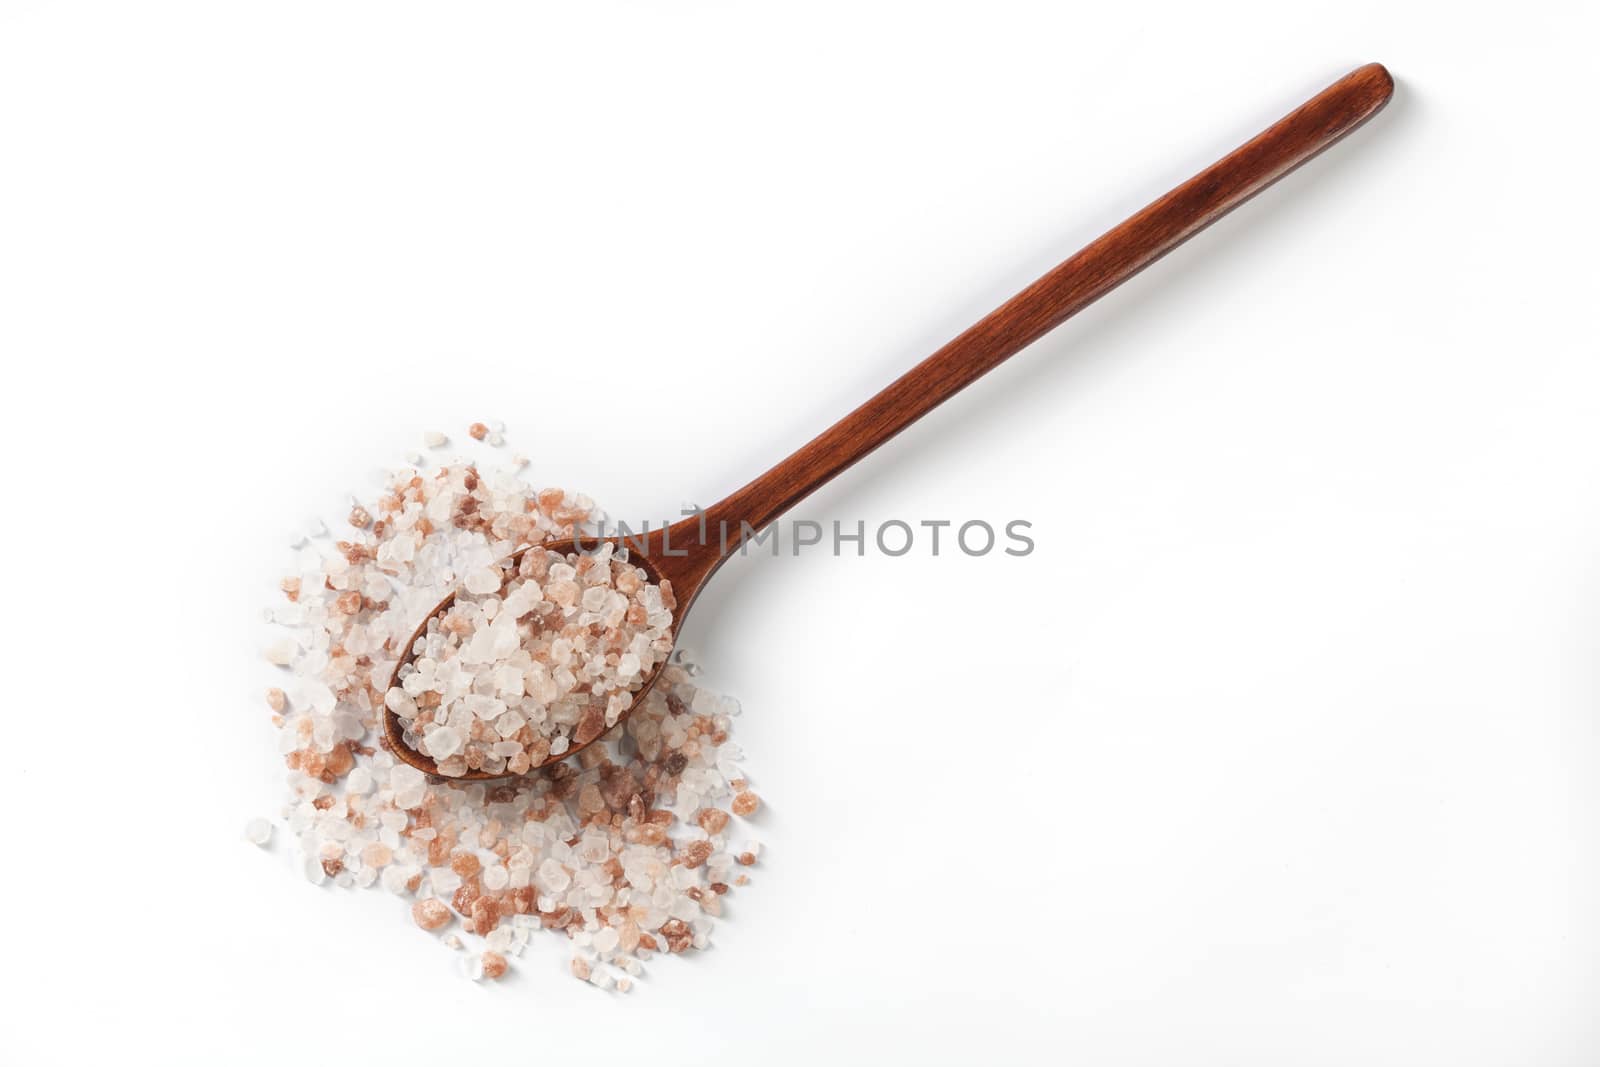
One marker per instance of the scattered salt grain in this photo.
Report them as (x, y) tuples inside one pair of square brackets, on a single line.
[(434, 439), (258, 832), (430, 914), (591, 848)]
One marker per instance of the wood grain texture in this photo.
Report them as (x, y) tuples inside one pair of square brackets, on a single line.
[(679, 554)]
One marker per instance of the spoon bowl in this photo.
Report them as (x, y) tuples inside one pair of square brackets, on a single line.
[(394, 726), (688, 552)]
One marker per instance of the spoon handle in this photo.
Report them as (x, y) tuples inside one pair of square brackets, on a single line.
[(1100, 267)]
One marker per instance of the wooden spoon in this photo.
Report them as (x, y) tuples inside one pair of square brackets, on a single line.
[(679, 555)]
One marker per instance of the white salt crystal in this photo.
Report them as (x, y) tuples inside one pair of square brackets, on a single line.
[(313, 871), (282, 651), (258, 832), (553, 877), (434, 439), (443, 742), (484, 580)]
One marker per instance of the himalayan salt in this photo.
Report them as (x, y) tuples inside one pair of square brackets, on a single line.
[(258, 832), (547, 640), (494, 965), (430, 914), (712, 820), (746, 804), (592, 849)]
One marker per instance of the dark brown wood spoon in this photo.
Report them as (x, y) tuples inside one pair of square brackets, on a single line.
[(678, 554)]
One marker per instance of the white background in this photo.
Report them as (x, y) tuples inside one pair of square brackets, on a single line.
[(1280, 749)]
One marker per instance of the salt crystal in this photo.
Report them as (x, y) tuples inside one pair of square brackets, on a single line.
[(258, 832), (434, 439), (282, 651), (484, 580), (443, 742)]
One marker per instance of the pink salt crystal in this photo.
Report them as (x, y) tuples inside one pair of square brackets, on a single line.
[(746, 803), (712, 820), (580, 968), (478, 431), (277, 700), (430, 914), (494, 965)]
